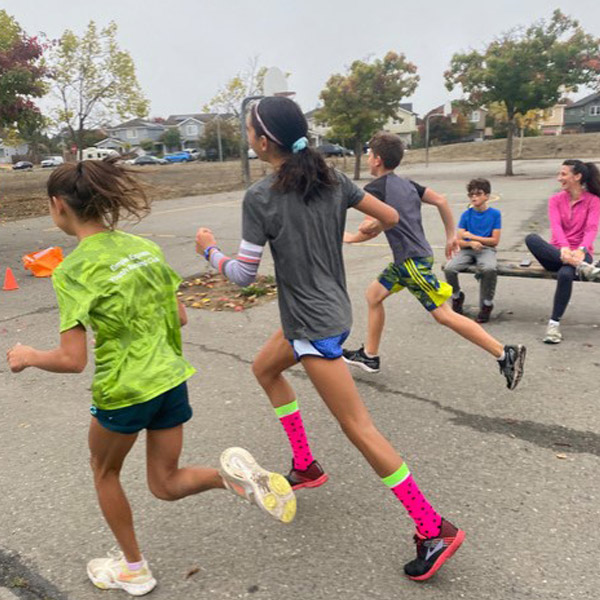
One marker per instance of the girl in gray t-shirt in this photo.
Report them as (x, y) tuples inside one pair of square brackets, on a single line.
[(300, 211)]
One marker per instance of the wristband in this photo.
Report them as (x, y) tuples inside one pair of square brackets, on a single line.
[(207, 251), (583, 249)]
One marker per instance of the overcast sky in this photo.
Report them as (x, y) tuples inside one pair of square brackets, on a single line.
[(185, 50)]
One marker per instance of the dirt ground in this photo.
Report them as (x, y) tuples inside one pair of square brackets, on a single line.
[(23, 193)]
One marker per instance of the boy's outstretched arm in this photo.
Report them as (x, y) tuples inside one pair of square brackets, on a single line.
[(440, 202), (69, 357), (380, 216), (367, 230)]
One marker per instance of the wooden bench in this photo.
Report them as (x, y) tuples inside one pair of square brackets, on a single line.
[(508, 266)]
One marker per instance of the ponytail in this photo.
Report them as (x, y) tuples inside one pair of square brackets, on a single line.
[(304, 170), (99, 190), (590, 175)]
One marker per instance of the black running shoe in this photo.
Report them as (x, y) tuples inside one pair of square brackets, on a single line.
[(358, 358), (512, 366), (457, 303), (433, 552)]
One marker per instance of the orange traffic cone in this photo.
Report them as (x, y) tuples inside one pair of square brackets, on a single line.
[(10, 283)]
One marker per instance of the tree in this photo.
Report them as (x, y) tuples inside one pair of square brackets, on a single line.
[(95, 81), (22, 73), (171, 138), (358, 104), (444, 130), (230, 137), (249, 82), (527, 69)]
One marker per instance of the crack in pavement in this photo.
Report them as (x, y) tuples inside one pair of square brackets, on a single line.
[(552, 437), (23, 582), (37, 311)]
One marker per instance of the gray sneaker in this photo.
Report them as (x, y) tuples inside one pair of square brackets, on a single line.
[(553, 335), (588, 272)]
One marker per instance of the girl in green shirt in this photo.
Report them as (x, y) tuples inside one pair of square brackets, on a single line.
[(121, 287)]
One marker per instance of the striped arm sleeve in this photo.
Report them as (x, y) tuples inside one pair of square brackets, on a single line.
[(241, 270)]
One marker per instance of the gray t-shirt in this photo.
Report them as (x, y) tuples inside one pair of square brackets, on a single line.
[(407, 238), (306, 243)]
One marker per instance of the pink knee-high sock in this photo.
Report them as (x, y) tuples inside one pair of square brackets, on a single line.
[(290, 418), (427, 521)]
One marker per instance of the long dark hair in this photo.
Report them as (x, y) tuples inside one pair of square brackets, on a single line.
[(590, 176), (99, 190), (283, 123)]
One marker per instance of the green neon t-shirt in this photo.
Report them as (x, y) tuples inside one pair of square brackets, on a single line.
[(121, 287)]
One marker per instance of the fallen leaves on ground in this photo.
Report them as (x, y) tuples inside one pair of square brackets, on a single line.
[(212, 291)]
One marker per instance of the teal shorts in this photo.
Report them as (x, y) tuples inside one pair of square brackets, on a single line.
[(170, 409), (416, 276)]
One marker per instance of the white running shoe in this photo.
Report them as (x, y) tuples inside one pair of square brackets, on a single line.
[(246, 478), (588, 272), (553, 335), (112, 573)]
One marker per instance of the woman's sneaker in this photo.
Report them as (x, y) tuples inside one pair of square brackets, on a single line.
[(358, 358), (111, 573), (588, 272), (313, 476), (513, 365), (553, 334), (433, 552), (269, 491)]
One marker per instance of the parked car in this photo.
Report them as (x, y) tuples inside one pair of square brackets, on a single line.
[(177, 157), (334, 150), (94, 153), (22, 165), (148, 160), (251, 153), (52, 161), (193, 152)]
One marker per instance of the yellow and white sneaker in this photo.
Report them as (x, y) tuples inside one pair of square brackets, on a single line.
[(246, 478), (112, 573)]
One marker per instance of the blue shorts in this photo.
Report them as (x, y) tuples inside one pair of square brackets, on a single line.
[(170, 409), (330, 347)]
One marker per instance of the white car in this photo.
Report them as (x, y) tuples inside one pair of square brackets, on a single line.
[(251, 153), (52, 161)]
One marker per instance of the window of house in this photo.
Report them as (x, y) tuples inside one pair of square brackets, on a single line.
[(595, 109), (191, 130), (475, 116), (132, 134)]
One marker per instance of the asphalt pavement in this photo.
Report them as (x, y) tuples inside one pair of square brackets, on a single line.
[(516, 470)]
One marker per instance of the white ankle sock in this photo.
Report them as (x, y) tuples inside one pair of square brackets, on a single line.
[(370, 355), (551, 322)]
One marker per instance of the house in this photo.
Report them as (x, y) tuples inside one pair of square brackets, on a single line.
[(583, 116), (317, 133), (405, 125), (552, 119), (8, 151), (191, 126), (477, 118), (132, 133), (111, 143)]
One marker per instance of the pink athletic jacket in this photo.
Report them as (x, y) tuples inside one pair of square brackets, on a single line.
[(574, 225)]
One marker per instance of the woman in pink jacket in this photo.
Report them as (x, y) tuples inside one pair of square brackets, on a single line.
[(574, 215)]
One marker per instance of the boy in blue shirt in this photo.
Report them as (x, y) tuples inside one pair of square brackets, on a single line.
[(413, 262), (478, 235)]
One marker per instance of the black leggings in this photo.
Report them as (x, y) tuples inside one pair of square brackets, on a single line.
[(549, 257)]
